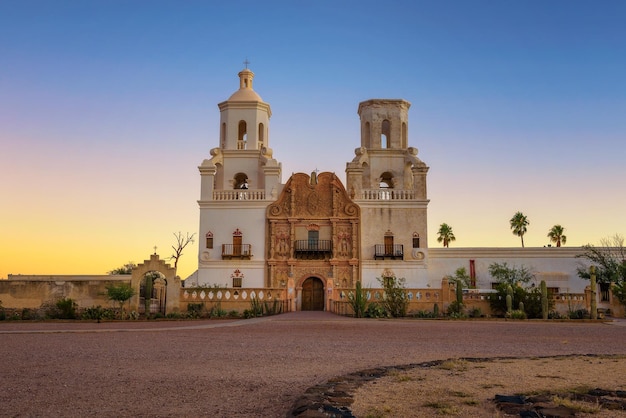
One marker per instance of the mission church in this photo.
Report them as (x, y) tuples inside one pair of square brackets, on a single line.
[(312, 233), (308, 241)]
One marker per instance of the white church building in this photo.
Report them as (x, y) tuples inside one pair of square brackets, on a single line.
[(307, 242), (312, 234)]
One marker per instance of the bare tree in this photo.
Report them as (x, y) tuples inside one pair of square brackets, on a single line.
[(181, 242), (610, 261)]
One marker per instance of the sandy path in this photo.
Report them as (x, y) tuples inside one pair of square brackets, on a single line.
[(244, 368)]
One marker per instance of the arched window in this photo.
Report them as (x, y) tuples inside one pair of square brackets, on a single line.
[(366, 135), (385, 140), (242, 135), (386, 180), (261, 135), (241, 181), (416, 240)]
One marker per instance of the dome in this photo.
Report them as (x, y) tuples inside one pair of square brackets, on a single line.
[(245, 95), (245, 92)]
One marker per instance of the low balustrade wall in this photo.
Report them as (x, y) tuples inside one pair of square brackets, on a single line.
[(233, 299)]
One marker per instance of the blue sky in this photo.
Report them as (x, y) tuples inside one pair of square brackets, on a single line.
[(108, 107)]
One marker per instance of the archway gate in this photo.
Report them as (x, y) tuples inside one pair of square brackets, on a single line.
[(170, 290)]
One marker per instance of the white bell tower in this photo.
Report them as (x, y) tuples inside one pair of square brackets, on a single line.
[(238, 182)]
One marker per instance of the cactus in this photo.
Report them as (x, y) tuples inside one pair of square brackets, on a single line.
[(459, 292), (594, 303), (521, 307), (509, 299), (544, 300)]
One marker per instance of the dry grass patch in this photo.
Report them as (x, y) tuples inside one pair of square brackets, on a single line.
[(458, 387)]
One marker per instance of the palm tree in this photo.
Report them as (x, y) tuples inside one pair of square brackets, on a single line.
[(519, 222), (445, 234), (556, 235)]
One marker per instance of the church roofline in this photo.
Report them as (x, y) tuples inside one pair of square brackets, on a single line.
[(401, 102)]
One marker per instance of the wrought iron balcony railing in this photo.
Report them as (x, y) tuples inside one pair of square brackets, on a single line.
[(236, 251), (313, 246), (393, 251), (313, 249)]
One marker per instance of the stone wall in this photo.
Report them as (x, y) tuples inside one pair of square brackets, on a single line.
[(33, 291)]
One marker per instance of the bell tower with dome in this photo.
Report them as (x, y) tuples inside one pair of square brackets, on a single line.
[(238, 182)]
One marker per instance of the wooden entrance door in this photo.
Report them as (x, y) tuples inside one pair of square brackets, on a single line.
[(312, 294)]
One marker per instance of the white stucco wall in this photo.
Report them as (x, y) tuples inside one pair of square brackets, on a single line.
[(556, 265)]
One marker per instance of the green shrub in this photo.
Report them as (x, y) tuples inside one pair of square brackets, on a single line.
[(579, 314), (66, 308), (273, 308), (530, 297), (218, 312), (456, 315), (423, 314), (455, 309), (234, 314), (555, 315), (516, 314), (375, 310), (120, 293), (256, 308), (475, 313), (94, 313), (195, 310), (395, 300)]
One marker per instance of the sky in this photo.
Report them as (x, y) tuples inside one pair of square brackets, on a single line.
[(108, 107)]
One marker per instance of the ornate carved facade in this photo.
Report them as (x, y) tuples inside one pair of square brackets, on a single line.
[(313, 230)]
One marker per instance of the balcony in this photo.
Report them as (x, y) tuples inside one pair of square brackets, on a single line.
[(240, 251), (386, 194), (392, 251), (313, 249), (239, 194)]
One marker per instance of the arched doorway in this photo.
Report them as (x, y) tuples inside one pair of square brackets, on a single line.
[(313, 294)]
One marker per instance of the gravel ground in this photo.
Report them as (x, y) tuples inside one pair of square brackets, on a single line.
[(247, 368)]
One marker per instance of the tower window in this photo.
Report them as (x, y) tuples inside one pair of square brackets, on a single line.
[(416, 240), (241, 181), (242, 135), (261, 135), (385, 139), (386, 180)]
